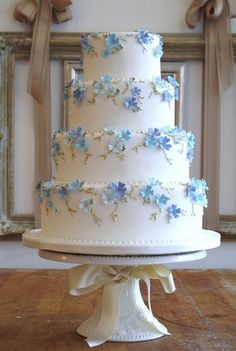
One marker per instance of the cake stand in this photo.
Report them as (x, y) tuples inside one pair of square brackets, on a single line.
[(122, 315)]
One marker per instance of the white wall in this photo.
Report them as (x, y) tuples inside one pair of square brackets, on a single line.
[(119, 15)]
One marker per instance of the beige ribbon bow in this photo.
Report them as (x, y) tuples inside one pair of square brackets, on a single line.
[(87, 278), (41, 13), (218, 77)]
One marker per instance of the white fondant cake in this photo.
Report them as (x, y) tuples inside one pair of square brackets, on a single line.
[(122, 169)]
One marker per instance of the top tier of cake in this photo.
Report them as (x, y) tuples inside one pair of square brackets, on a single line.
[(131, 54)]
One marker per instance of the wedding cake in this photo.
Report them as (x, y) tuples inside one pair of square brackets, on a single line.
[(121, 183)]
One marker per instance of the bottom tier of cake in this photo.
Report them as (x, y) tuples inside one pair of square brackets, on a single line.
[(119, 214)]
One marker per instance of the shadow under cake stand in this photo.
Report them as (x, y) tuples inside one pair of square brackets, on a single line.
[(135, 321)]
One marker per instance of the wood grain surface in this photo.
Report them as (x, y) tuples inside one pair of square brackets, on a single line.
[(37, 312)]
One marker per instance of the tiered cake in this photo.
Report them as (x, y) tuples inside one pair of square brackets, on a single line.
[(122, 181)]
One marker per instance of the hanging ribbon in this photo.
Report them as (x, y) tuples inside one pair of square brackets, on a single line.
[(218, 76), (87, 278), (40, 14)]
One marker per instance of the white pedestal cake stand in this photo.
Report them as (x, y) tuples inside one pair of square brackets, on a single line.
[(135, 322)]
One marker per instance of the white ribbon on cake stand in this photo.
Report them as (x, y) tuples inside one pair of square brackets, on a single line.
[(122, 315)]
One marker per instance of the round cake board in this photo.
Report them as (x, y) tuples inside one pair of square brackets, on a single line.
[(205, 240), (121, 260)]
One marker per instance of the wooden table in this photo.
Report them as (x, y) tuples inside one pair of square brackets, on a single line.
[(37, 312)]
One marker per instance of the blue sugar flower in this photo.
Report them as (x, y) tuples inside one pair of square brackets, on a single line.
[(158, 51), (191, 140), (108, 195), (81, 144), (86, 45), (85, 205), (173, 212), (196, 191), (45, 188), (173, 81), (190, 155), (106, 53), (99, 87), (75, 185), (49, 184), (78, 95), (144, 37), (167, 96), (55, 147), (175, 86), (76, 132), (190, 146), (160, 85), (63, 192), (131, 102), (147, 193), (124, 135), (177, 133), (161, 200), (151, 141), (119, 189), (136, 91), (116, 146), (113, 41), (106, 78), (152, 138), (164, 142)]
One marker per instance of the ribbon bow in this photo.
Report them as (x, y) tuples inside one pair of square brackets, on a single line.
[(218, 38), (87, 278), (41, 13)]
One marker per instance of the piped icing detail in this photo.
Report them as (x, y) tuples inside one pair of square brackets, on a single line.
[(123, 92), (119, 140), (114, 42), (160, 196)]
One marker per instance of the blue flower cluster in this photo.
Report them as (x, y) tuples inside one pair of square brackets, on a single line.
[(114, 192), (103, 86), (155, 139), (118, 145), (86, 45), (62, 191), (77, 138), (114, 43), (149, 194), (133, 102), (175, 85), (146, 38), (196, 191), (179, 135), (168, 89)]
